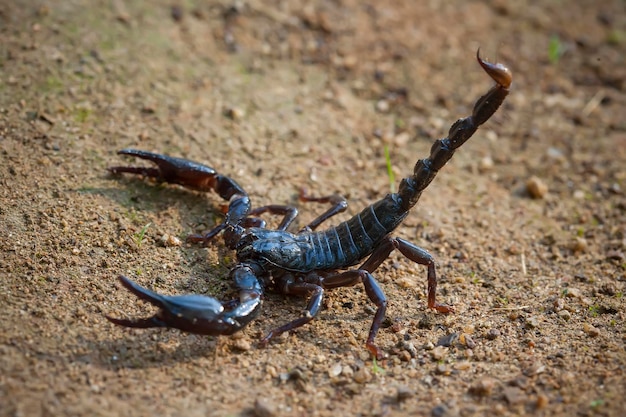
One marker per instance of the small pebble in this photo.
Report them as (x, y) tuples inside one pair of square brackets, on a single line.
[(404, 356), (235, 113), (335, 370), (558, 304), (264, 408), (362, 375), (590, 330), (493, 334), (536, 187), (407, 282), (439, 353), (485, 164), (535, 368), (404, 393), (573, 293), (242, 345), (608, 288), (542, 401), (467, 341), (442, 369), (170, 240), (579, 244), (565, 315), (513, 395), (532, 322), (448, 340), (382, 106), (440, 411), (462, 366), (482, 388)]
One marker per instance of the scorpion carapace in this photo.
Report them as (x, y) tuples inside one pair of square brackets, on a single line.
[(307, 262)]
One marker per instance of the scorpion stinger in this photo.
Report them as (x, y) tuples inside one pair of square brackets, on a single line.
[(308, 262)]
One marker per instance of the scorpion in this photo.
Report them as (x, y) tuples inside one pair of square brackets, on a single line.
[(308, 262)]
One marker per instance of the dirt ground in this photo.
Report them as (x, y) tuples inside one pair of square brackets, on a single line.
[(527, 222)]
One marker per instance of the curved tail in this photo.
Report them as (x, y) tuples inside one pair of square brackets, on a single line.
[(442, 150)]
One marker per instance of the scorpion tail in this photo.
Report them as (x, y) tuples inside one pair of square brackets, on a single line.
[(442, 150), (191, 313)]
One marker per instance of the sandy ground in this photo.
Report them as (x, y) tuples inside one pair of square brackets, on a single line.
[(528, 222)]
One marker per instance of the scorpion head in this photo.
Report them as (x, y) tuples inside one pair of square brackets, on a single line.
[(233, 235)]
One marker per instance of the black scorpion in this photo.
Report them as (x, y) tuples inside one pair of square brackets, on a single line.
[(307, 262)]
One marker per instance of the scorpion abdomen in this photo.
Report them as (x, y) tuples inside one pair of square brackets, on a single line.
[(349, 242)]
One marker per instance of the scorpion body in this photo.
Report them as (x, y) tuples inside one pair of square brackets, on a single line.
[(307, 262)]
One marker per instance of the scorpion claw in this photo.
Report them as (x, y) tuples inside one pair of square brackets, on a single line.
[(170, 169), (192, 313)]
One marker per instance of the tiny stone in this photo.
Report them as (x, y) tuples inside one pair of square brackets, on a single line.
[(439, 411), (532, 323), (335, 370), (235, 113), (564, 314), (534, 369), (448, 340), (439, 353), (573, 293), (542, 401), (404, 393), (558, 304), (579, 244), (271, 371), (170, 240), (242, 345), (442, 369), (404, 356), (493, 334), (467, 341), (608, 289), (591, 330), (513, 395), (536, 188), (407, 282), (362, 375), (485, 164), (264, 408), (410, 348), (483, 388), (382, 106)]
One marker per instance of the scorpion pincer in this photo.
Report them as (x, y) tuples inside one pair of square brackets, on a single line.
[(308, 262)]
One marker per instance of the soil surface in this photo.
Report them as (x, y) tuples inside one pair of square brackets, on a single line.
[(527, 222)]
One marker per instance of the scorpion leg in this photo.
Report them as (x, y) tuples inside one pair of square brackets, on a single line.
[(339, 204), (417, 255), (288, 212), (375, 294), (303, 289), (316, 293), (195, 313)]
